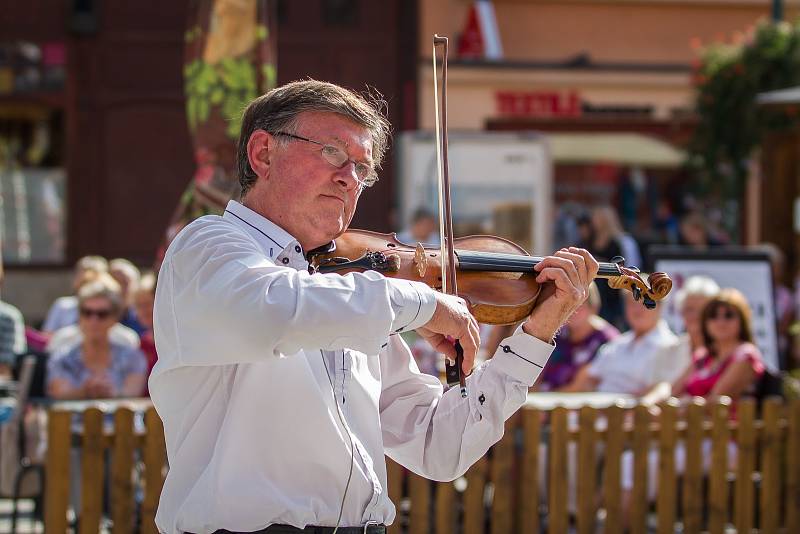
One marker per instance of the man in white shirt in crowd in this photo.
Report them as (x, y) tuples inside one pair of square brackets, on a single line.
[(281, 390), (635, 361)]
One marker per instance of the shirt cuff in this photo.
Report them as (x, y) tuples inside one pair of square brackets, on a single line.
[(413, 304), (522, 356)]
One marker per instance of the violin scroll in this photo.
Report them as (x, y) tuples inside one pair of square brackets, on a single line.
[(657, 287)]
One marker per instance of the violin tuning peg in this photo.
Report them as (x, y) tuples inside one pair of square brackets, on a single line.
[(649, 303), (637, 293), (619, 260)]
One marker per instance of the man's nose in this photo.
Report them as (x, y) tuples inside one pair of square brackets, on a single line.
[(346, 176)]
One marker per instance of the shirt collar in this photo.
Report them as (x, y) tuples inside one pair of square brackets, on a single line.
[(278, 244)]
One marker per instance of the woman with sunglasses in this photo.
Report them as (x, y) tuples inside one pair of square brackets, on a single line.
[(97, 367), (728, 363)]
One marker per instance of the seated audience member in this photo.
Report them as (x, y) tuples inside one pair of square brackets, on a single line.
[(691, 299), (64, 311), (727, 364), (143, 300), (127, 276), (12, 335), (577, 344), (97, 367), (424, 229), (635, 361), (69, 336)]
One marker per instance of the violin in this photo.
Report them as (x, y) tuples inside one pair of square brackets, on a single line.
[(495, 276)]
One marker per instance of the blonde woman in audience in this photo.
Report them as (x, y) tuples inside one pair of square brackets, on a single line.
[(69, 336), (64, 311), (143, 300), (97, 367), (691, 300), (127, 276)]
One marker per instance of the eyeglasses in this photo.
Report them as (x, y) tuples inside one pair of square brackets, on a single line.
[(102, 314), (338, 158), (723, 313)]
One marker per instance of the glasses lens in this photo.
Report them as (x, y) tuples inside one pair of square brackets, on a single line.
[(334, 156), (723, 313), (100, 314), (338, 158)]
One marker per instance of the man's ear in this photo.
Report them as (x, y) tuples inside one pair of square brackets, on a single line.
[(258, 147)]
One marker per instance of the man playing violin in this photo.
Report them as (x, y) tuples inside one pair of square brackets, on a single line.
[(280, 390)]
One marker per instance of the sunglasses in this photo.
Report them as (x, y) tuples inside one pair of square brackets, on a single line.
[(101, 314), (723, 313)]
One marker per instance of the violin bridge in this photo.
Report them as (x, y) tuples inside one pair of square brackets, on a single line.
[(420, 260)]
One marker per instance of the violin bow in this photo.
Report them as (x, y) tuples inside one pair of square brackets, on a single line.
[(453, 371)]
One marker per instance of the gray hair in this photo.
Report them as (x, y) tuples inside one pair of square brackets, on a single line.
[(279, 109), (127, 268), (94, 263), (102, 287), (697, 286)]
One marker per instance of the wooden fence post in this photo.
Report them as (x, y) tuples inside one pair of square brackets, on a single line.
[(615, 441), (718, 475), (529, 492), (394, 479), (474, 513), (667, 500), (770, 466), (746, 443), (92, 471), (154, 456), (793, 468), (419, 493), (558, 483), (586, 479), (502, 514), (641, 453), (693, 473), (59, 443), (445, 495), (121, 472)]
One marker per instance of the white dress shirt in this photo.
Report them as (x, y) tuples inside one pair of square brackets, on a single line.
[(258, 359), (631, 365)]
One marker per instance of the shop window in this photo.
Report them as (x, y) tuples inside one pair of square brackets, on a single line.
[(32, 169), (340, 13)]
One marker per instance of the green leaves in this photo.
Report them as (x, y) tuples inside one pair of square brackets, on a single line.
[(728, 79), (226, 88)]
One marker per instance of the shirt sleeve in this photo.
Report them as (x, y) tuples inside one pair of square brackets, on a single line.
[(438, 434), (234, 305), (413, 304)]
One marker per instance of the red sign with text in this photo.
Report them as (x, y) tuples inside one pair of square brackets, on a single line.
[(538, 104)]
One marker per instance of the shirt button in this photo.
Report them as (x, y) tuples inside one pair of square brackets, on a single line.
[(285, 261), (297, 249)]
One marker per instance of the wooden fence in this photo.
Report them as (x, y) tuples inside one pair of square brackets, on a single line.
[(501, 492), (137, 465)]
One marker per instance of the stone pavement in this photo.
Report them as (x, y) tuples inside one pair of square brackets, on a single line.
[(25, 522)]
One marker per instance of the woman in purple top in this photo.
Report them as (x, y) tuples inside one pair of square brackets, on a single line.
[(97, 367), (576, 345)]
